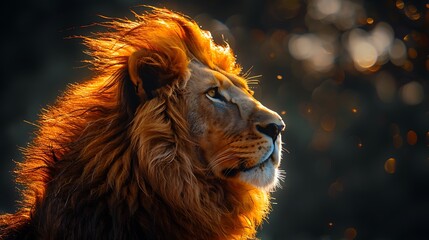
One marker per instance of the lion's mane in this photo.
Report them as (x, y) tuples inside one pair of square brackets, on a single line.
[(104, 165)]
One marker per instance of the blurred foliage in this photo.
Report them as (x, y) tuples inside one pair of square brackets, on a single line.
[(349, 77)]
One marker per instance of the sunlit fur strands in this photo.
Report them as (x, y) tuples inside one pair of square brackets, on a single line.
[(107, 163)]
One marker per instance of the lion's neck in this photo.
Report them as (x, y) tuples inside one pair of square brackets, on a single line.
[(223, 211)]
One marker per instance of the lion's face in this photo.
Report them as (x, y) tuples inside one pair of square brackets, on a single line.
[(239, 138)]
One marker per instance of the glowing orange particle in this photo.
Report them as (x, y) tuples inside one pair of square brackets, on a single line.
[(350, 233), (411, 137), (360, 145), (412, 53), (283, 112), (279, 77), (330, 224), (415, 16), (411, 12), (390, 166), (399, 4), (354, 110), (408, 66), (370, 20), (406, 37), (427, 5)]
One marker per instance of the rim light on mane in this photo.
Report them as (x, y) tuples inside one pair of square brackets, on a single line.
[(165, 140)]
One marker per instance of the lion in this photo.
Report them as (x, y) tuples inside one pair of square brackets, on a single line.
[(166, 141)]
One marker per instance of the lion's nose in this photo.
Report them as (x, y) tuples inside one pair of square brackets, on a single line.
[(272, 130)]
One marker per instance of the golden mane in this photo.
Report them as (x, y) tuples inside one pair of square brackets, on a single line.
[(104, 165)]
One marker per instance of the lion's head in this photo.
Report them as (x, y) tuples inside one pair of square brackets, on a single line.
[(238, 137), (166, 140)]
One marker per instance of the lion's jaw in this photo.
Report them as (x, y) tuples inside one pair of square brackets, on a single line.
[(239, 137), (265, 173)]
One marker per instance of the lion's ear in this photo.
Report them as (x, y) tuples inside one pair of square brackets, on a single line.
[(150, 70)]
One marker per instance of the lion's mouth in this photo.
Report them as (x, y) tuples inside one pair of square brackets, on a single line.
[(231, 172), (261, 164)]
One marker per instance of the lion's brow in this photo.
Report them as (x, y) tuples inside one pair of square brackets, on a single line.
[(235, 80)]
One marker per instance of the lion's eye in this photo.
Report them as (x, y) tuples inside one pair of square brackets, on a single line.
[(214, 95), (213, 92)]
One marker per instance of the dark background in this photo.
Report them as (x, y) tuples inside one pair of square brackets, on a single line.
[(358, 133)]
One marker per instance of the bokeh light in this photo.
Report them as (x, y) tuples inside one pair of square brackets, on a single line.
[(315, 50), (385, 86), (328, 123), (411, 137), (350, 233), (390, 165), (397, 52), (412, 93), (400, 4), (364, 53), (328, 7), (376, 46)]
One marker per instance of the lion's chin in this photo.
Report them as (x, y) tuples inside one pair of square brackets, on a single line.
[(264, 176)]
